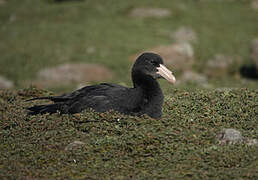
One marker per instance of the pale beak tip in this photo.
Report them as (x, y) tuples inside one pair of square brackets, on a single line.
[(167, 74), (173, 80)]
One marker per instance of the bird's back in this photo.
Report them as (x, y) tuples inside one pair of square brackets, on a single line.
[(101, 98)]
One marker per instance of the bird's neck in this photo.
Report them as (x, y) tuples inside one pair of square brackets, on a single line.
[(147, 84), (152, 95)]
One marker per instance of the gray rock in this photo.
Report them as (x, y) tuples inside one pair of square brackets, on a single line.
[(220, 61), (224, 89), (178, 56), (74, 145), (254, 4), (5, 83), (2, 2), (254, 52), (222, 65), (184, 34), (251, 142), (12, 18), (72, 73), (190, 76), (91, 50), (150, 12), (230, 136)]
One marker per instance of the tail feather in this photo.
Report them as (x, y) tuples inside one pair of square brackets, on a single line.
[(42, 109), (52, 98), (38, 98)]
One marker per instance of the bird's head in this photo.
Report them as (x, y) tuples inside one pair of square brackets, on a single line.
[(152, 64)]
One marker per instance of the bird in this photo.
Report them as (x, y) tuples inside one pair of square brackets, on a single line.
[(145, 97)]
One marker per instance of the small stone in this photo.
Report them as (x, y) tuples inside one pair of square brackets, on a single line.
[(5, 83), (2, 2), (12, 18), (224, 89), (190, 76), (91, 50), (150, 12), (221, 65), (220, 61), (252, 142), (230, 136), (184, 34), (74, 145), (254, 4)]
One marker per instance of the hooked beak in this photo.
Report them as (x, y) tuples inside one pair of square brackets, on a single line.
[(165, 73)]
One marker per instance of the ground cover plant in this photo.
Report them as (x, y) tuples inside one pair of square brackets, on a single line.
[(182, 144), (36, 34)]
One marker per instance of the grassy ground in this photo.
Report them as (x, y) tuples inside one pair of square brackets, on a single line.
[(38, 33), (180, 145)]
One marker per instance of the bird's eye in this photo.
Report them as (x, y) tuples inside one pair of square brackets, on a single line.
[(154, 63)]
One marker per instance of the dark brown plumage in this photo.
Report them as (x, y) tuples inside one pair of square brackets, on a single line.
[(145, 97)]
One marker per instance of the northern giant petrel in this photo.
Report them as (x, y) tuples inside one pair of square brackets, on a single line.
[(145, 97)]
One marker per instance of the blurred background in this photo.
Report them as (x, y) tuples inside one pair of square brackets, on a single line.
[(62, 45)]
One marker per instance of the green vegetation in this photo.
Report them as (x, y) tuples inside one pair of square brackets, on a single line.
[(182, 144), (39, 33)]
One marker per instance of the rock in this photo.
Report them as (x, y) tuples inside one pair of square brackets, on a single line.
[(221, 65), (232, 136), (74, 145), (254, 4), (178, 56), (5, 83), (150, 12), (91, 50), (2, 2), (252, 142), (184, 34), (226, 90), (72, 73), (229, 136), (254, 52), (12, 18), (190, 76)]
